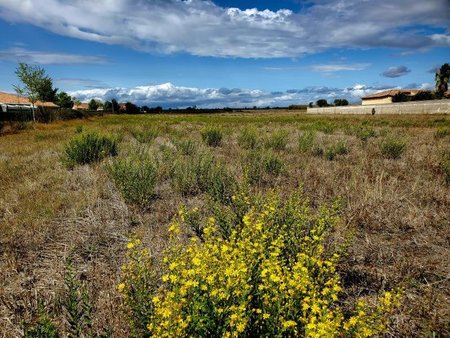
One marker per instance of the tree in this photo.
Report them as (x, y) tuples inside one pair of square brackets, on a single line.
[(441, 77), (33, 79), (64, 100), (46, 91), (322, 103), (340, 102), (107, 105), (93, 105), (115, 106), (131, 108)]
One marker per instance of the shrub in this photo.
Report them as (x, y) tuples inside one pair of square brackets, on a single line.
[(273, 165), (89, 148), (306, 141), (364, 133), (278, 140), (248, 138), (442, 132), (445, 165), (145, 135), (393, 148), (135, 177), (186, 147), (212, 136), (272, 277), (43, 327), (139, 283)]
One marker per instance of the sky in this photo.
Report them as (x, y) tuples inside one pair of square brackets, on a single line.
[(224, 53)]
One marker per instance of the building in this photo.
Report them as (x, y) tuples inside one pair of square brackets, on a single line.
[(388, 96), (14, 102), (81, 106)]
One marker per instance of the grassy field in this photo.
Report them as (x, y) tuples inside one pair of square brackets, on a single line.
[(65, 228)]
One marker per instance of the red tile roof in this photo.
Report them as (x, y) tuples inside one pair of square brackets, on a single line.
[(15, 99), (391, 93)]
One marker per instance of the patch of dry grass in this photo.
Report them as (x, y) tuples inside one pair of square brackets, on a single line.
[(396, 209)]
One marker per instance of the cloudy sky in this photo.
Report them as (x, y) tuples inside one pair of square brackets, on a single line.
[(219, 53)]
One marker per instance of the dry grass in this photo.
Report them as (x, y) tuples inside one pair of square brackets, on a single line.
[(397, 209)]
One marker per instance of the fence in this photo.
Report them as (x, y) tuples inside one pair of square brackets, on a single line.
[(423, 107)]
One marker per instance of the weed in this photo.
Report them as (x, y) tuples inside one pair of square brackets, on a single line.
[(273, 164), (212, 136), (306, 141), (89, 148), (145, 135), (248, 138), (445, 165), (43, 327), (77, 304), (186, 147), (278, 140), (364, 133), (78, 129), (135, 178), (393, 148), (442, 132), (317, 151)]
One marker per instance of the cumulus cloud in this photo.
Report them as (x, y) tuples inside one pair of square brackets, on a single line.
[(45, 58), (170, 95), (200, 27), (396, 71)]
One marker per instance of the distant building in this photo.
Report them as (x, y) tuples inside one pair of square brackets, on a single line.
[(10, 101), (81, 106), (388, 96)]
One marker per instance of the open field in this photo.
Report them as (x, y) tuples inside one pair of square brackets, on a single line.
[(390, 174)]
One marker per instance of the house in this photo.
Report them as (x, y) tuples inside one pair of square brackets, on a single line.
[(14, 102), (81, 106), (388, 96)]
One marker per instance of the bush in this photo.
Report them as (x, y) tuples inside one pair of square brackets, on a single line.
[(442, 132), (364, 133), (393, 148), (306, 141), (212, 136), (248, 138), (186, 147), (340, 148), (43, 327), (278, 140), (272, 277), (445, 165), (135, 177), (89, 148), (145, 135), (273, 165)]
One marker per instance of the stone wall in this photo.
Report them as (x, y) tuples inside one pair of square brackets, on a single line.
[(417, 107)]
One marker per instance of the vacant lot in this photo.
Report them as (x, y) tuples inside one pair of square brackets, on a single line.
[(64, 228)]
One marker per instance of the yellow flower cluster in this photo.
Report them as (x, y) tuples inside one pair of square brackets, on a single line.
[(271, 277)]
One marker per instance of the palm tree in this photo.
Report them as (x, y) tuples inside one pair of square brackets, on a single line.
[(441, 78)]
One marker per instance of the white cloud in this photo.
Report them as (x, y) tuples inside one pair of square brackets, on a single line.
[(39, 57), (330, 68), (200, 27), (169, 95)]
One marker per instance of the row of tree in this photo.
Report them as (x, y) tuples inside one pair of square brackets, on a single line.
[(324, 103)]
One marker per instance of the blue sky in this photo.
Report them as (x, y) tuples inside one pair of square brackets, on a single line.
[(225, 53)]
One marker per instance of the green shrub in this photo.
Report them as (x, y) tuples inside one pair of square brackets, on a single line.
[(145, 135), (272, 277), (393, 148), (248, 138), (135, 177), (43, 327), (89, 148), (186, 147), (273, 165), (278, 140), (442, 132), (364, 133), (212, 136), (306, 141), (202, 173), (445, 165)]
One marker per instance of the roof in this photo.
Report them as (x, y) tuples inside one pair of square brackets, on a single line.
[(81, 106), (15, 99), (391, 93)]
